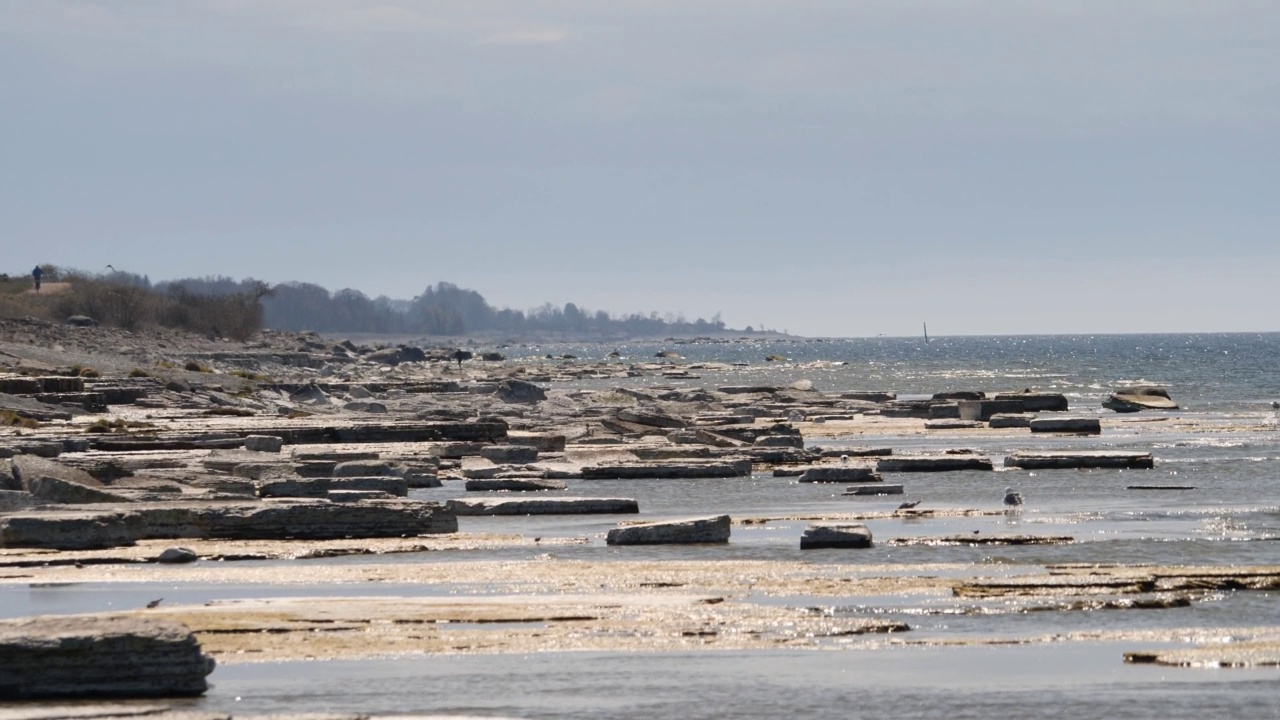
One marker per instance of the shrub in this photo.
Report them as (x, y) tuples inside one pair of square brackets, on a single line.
[(9, 418), (139, 373)]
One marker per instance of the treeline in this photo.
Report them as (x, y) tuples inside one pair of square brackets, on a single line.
[(442, 309), (130, 301), (232, 308)]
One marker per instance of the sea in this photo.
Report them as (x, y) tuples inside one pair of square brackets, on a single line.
[(1227, 513)]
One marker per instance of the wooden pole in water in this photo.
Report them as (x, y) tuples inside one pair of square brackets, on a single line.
[(926, 332)]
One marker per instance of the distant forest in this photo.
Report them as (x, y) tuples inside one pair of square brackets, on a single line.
[(443, 309)]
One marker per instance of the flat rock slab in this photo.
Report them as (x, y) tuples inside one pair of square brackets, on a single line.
[(1084, 426), (1010, 420), (262, 520), (986, 540), (1080, 459), (943, 463), (516, 484), (673, 532), (543, 506), (654, 471), (952, 424), (875, 489), (835, 536), (99, 656), (839, 474)]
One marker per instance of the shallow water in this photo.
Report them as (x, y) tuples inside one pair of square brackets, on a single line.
[(1232, 517), (1055, 681)]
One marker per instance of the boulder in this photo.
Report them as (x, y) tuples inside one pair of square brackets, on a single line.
[(309, 395), (263, 443), (835, 536), (365, 468), (519, 391), (510, 454), (673, 532), (86, 656), (1139, 398), (177, 556)]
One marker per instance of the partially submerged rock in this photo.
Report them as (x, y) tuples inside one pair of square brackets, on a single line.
[(839, 474), (99, 656), (1034, 460), (1077, 425), (714, 529), (836, 535), (941, 463), (1136, 399)]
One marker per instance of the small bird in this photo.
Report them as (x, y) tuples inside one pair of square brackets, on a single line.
[(154, 603), (908, 505), (1012, 498)]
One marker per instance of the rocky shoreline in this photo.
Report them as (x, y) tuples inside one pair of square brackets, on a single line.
[(146, 451)]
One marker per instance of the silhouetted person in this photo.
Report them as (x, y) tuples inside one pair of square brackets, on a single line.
[(35, 275)]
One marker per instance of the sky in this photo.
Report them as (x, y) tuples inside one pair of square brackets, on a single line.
[(827, 168)]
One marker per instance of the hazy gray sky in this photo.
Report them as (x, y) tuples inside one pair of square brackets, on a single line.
[(828, 168)]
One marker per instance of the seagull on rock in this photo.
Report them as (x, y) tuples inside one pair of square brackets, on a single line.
[(1012, 497)]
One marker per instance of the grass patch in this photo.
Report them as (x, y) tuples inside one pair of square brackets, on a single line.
[(9, 418), (249, 375), (85, 372), (193, 366), (103, 425), (139, 373)]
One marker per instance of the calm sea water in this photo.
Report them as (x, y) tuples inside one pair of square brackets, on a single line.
[(1231, 517)]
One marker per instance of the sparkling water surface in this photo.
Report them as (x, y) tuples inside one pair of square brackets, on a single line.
[(1232, 516)]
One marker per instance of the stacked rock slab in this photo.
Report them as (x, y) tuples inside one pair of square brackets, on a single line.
[(50, 657), (714, 529), (113, 526)]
